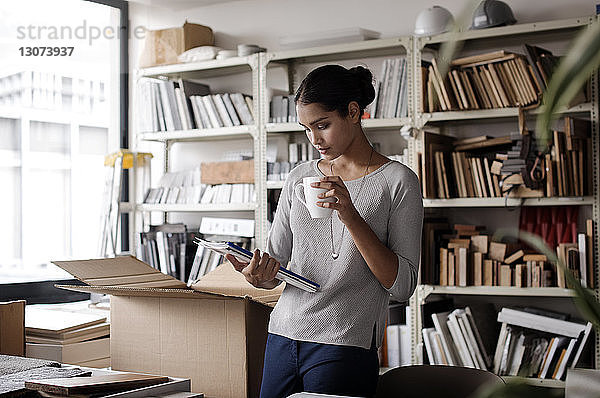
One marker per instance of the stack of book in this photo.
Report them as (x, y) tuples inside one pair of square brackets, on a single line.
[(67, 337), (391, 90), (466, 256), (534, 343), (497, 79), (166, 105)]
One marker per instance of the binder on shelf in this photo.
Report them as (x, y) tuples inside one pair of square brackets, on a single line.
[(244, 255)]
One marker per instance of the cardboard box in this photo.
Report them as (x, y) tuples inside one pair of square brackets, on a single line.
[(213, 333), (240, 172), (12, 328), (161, 47)]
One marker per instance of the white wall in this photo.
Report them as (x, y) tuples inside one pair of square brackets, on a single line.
[(263, 21)]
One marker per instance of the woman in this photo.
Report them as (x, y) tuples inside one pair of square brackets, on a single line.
[(326, 342)]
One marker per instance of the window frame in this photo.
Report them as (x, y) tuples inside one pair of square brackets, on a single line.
[(44, 291)]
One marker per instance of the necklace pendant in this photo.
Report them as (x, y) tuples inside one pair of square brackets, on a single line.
[(335, 255)]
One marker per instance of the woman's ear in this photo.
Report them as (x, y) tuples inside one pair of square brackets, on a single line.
[(354, 111)]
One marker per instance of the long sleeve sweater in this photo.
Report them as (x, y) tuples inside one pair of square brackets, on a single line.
[(351, 304)]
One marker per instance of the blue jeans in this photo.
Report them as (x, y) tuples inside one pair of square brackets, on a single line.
[(294, 366)]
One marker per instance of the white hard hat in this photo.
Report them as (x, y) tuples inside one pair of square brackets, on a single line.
[(433, 20)]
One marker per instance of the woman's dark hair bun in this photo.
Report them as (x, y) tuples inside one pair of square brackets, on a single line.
[(334, 87), (365, 81)]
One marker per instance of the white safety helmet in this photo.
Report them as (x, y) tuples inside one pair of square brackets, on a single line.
[(433, 20)]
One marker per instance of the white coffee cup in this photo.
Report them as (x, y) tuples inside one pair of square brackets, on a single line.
[(310, 198)]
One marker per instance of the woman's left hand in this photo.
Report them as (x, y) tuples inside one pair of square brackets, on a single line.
[(343, 204)]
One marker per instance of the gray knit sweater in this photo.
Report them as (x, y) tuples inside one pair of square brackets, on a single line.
[(351, 303)]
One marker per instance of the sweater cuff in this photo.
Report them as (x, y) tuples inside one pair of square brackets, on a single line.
[(406, 280)]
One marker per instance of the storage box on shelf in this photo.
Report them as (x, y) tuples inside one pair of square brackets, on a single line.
[(457, 112)]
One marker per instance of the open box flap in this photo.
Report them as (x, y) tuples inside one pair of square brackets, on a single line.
[(121, 271), (226, 280), (128, 276), (145, 292)]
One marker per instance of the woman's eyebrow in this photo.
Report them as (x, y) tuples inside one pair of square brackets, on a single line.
[(314, 121)]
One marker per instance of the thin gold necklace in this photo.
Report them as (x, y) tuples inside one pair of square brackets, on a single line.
[(335, 254)]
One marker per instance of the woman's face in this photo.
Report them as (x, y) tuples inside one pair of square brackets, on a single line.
[(329, 132)]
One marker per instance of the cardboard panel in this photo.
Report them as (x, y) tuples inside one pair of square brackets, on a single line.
[(12, 328), (133, 280), (116, 271), (204, 340), (143, 292), (257, 321), (135, 341), (226, 280)]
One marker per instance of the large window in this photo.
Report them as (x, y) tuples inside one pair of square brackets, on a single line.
[(60, 114)]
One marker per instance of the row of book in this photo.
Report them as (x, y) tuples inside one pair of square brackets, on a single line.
[(391, 90), (488, 167), (497, 79), (66, 334), (283, 109), (167, 248), (570, 151), (468, 257), (203, 194), (173, 105), (531, 342)]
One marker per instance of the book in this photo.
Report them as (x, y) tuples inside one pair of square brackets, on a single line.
[(244, 255), (74, 336), (55, 324), (95, 384), (72, 353), (441, 326)]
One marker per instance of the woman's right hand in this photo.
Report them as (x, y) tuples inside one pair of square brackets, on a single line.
[(260, 271)]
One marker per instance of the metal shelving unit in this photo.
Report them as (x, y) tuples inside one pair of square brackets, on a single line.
[(203, 70), (495, 37)]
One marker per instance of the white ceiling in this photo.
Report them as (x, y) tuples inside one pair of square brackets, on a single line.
[(180, 5)]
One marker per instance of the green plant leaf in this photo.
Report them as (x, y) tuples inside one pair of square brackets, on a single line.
[(585, 300), (454, 43), (569, 77)]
